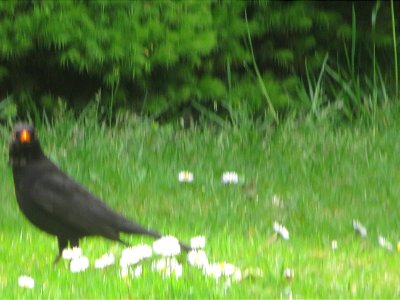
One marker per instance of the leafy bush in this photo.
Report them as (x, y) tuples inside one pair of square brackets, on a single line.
[(162, 57)]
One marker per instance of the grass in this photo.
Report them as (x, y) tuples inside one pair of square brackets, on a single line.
[(326, 176)]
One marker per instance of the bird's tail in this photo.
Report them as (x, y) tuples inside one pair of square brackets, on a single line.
[(133, 228)]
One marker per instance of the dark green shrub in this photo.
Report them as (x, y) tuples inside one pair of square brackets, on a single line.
[(162, 57)]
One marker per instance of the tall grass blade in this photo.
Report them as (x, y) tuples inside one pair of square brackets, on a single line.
[(396, 68), (373, 23), (317, 92), (259, 77), (343, 83), (353, 40)]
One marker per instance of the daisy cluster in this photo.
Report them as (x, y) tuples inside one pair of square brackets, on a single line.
[(164, 250), (227, 177), (167, 248), (361, 230), (26, 282), (167, 267), (78, 262), (230, 178), (217, 270), (133, 255), (163, 254)]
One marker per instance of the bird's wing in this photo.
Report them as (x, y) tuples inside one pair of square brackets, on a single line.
[(62, 198)]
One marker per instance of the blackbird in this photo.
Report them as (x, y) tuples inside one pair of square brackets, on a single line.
[(55, 203)]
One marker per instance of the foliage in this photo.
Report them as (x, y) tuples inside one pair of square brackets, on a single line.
[(162, 57)]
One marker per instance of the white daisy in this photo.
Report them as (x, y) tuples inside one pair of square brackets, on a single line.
[(198, 258), (359, 228), (230, 178), (185, 176), (198, 242), (133, 255), (289, 274), (26, 282), (217, 270), (277, 201), (126, 261), (385, 243), (227, 269), (137, 272), (79, 264), (69, 253), (281, 230), (124, 272), (167, 246), (167, 266), (334, 245), (213, 270), (237, 275), (106, 260), (178, 270)]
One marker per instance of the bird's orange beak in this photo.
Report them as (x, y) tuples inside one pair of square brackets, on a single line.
[(25, 136)]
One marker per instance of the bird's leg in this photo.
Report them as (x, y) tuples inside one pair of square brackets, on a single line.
[(62, 244), (74, 243)]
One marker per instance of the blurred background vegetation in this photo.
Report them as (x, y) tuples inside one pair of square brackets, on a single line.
[(191, 60)]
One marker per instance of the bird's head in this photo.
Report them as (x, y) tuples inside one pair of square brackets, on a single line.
[(24, 146)]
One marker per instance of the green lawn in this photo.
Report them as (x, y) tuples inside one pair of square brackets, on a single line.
[(325, 175)]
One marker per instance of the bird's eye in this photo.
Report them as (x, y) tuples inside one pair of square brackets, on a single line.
[(24, 136)]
